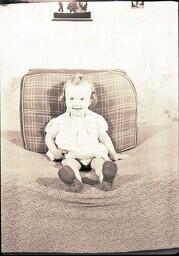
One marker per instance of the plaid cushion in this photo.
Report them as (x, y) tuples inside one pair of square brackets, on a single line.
[(117, 103)]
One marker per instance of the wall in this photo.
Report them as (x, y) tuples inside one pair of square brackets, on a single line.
[(143, 42)]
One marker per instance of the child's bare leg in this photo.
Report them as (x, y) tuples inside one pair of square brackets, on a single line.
[(70, 175), (97, 165)]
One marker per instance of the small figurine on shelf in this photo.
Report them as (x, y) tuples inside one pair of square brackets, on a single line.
[(83, 6), (72, 10), (60, 6), (72, 6), (137, 4)]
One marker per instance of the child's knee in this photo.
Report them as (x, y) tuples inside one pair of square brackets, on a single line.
[(97, 163), (74, 164)]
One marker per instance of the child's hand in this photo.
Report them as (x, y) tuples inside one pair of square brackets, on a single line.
[(118, 156), (59, 153)]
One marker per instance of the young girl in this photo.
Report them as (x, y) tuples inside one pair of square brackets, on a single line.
[(79, 137)]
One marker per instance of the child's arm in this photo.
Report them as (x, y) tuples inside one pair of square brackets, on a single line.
[(58, 153), (106, 140)]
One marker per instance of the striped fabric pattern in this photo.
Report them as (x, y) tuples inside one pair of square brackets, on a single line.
[(117, 103)]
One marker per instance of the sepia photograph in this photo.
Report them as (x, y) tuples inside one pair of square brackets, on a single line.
[(89, 127)]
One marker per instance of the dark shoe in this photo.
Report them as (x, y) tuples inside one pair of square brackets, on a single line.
[(67, 175), (109, 173)]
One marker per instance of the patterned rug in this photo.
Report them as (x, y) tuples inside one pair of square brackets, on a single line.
[(140, 213)]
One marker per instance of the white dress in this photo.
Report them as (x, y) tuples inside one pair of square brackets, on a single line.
[(79, 136)]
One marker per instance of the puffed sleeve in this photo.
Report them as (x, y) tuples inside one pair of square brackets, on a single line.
[(52, 128), (102, 126)]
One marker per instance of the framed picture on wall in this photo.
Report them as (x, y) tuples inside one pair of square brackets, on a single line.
[(72, 11)]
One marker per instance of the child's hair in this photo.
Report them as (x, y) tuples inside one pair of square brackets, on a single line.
[(78, 79)]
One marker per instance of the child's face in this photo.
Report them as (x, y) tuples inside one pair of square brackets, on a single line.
[(78, 99)]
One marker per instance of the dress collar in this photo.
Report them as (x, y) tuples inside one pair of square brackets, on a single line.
[(85, 115)]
